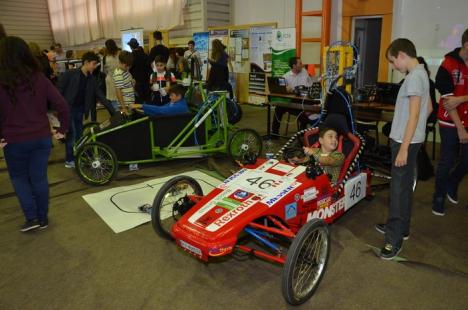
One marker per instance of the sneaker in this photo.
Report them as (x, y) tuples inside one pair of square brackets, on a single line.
[(69, 164), (438, 206), (133, 167), (381, 229), (452, 197), (389, 252), (43, 224), (29, 225)]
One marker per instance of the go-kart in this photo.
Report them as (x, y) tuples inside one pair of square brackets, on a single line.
[(270, 209), (143, 139)]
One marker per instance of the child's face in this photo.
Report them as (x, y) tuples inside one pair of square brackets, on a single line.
[(329, 142), (399, 62), (174, 97), (160, 67)]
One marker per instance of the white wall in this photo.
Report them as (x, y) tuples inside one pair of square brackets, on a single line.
[(264, 11)]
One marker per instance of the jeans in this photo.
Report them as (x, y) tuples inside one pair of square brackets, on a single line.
[(401, 194), (446, 177), (27, 167), (74, 133)]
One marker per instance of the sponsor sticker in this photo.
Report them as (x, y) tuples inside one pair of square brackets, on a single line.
[(290, 211), (297, 197), (327, 212), (239, 194), (310, 194), (192, 249), (323, 202)]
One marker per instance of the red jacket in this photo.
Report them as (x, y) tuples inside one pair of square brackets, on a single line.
[(452, 77)]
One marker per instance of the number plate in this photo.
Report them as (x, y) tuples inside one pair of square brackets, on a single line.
[(355, 190), (190, 248)]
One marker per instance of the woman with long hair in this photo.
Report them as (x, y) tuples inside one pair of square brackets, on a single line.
[(42, 59), (218, 78), (25, 134), (110, 63)]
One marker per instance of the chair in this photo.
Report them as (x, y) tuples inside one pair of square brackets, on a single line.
[(372, 125)]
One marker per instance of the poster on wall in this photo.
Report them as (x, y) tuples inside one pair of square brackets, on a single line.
[(201, 40), (238, 50), (127, 35), (260, 48), (283, 48), (220, 34)]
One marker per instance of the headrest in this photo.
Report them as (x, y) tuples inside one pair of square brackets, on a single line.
[(337, 122)]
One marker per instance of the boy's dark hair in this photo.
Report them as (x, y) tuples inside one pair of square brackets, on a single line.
[(126, 58), (52, 47), (465, 37), (324, 130), (90, 56), (157, 35), (401, 45), (160, 59), (293, 61), (177, 90), (191, 42)]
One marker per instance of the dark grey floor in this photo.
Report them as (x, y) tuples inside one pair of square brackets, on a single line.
[(79, 263)]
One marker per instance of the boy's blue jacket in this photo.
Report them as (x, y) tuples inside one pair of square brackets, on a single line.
[(178, 107)]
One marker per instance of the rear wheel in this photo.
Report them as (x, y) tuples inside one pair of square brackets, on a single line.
[(244, 143), (306, 262), (96, 163), (171, 202)]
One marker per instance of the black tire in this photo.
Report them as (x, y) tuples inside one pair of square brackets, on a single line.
[(313, 233), (87, 127), (244, 142), (96, 163), (162, 223), (234, 111)]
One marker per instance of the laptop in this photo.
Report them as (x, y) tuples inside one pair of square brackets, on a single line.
[(387, 92), (277, 85)]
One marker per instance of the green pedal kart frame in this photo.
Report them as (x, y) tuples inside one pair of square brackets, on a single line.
[(125, 140)]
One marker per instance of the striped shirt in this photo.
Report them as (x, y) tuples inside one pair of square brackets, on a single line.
[(123, 81)]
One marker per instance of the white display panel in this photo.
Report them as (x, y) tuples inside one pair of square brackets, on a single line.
[(126, 35)]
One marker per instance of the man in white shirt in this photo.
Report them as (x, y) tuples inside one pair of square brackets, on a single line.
[(194, 60), (297, 76)]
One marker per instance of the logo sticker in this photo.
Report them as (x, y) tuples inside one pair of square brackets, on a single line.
[(310, 194), (297, 197), (324, 202), (290, 211), (241, 194)]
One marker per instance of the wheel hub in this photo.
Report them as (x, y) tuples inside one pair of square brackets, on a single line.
[(245, 147), (96, 164)]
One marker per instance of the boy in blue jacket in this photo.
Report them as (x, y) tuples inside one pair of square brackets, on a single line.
[(178, 105)]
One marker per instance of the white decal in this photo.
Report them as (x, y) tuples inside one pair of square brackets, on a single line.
[(355, 190), (267, 165), (310, 194), (210, 205), (283, 168), (271, 201), (296, 171), (231, 178), (226, 218), (328, 212), (190, 248)]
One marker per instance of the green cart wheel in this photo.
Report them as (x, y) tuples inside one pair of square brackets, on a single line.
[(96, 163), (244, 142)]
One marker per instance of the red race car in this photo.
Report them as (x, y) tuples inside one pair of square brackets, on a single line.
[(282, 206)]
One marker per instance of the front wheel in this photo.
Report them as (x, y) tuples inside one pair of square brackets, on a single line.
[(171, 202), (306, 262), (244, 143), (96, 163)]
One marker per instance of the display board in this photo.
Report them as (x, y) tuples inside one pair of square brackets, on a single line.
[(238, 50), (260, 48), (128, 34), (283, 48), (202, 46)]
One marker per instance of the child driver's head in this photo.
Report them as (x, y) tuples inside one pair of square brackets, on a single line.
[(176, 92), (328, 139), (159, 64)]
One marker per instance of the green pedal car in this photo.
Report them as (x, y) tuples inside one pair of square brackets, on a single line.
[(144, 139)]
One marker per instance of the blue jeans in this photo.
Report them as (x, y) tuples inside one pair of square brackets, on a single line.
[(447, 175), (74, 133), (27, 167)]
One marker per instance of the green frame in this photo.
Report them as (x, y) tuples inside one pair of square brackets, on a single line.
[(216, 138)]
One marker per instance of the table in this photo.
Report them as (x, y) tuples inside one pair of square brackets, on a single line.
[(373, 111), (310, 105)]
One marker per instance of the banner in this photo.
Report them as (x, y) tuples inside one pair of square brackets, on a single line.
[(260, 48), (202, 46), (283, 48), (238, 50)]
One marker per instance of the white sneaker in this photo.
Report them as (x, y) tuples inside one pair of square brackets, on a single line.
[(133, 167), (69, 164)]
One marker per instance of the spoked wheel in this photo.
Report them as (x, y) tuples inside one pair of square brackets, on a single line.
[(96, 163), (306, 262), (171, 202), (244, 143)]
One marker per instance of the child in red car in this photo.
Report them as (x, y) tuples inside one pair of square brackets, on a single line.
[(327, 154)]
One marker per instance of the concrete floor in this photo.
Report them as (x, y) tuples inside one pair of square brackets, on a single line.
[(79, 263)]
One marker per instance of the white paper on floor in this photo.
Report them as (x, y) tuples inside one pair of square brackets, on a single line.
[(118, 207)]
